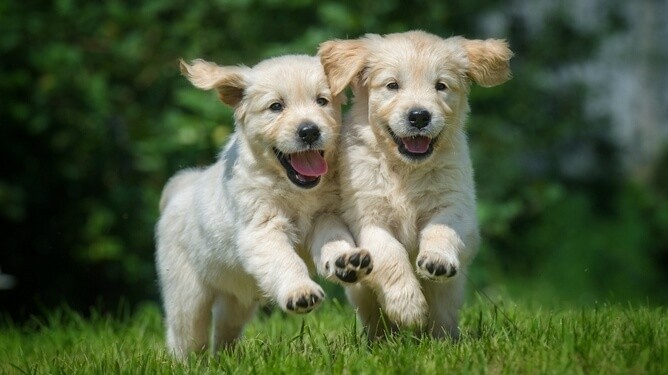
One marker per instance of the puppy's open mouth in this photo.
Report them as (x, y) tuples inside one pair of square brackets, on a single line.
[(304, 168), (415, 147)]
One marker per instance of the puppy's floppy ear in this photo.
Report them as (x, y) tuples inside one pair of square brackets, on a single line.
[(230, 81), (342, 61), (489, 61)]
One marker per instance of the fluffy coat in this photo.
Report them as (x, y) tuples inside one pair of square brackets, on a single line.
[(407, 185), (247, 228)]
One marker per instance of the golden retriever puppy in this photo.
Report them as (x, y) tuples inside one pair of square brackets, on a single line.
[(407, 184), (243, 229)]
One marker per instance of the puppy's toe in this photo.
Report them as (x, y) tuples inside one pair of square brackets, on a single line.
[(352, 267), (436, 267), (305, 299)]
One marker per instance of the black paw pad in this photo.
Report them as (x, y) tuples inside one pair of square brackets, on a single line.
[(366, 261), (437, 268), (348, 276), (304, 303), (349, 268), (355, 259)]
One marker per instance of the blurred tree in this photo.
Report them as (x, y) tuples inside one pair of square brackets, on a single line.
[(561, 217)]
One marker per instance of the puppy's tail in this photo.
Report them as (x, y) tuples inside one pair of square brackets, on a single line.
[(175, 185)]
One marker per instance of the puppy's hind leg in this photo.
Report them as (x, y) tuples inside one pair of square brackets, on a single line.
[(229, 318), (187, 304), (369, 311), (445, 300), (188, 313), (393, 280)]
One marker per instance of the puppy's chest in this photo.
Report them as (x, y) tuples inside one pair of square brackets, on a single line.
[(409, 214), (302, 212)]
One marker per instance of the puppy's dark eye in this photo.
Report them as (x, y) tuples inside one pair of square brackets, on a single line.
[(276, 107), (440, 86), (392, 86), (322, 101)]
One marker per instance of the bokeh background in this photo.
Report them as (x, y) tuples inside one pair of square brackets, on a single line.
[(571, 155)]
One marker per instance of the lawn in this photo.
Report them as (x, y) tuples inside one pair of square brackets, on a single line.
[(508, 339)]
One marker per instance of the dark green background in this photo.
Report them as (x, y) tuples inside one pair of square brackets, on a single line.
[(94, 117)]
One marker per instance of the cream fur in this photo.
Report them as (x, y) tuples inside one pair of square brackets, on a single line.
[(239, 231), (416, 217)]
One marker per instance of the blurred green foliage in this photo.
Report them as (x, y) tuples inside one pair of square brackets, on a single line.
[(95, 118)]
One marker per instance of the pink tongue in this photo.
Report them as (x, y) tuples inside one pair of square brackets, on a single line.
[(417, 145), (309, 163)]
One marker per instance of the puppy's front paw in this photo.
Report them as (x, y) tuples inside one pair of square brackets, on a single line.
[(304, 299), (406, 307), (351, 267), (436, 267)]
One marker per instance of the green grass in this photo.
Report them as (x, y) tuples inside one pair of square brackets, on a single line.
[(509, 340)]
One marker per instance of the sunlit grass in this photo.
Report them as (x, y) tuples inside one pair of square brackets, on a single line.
[(510, 339)]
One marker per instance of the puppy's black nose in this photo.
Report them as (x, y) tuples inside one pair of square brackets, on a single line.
[(308, 132), (419, 117)]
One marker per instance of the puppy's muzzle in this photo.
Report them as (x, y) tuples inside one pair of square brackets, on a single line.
[(415, 146), (304, 168)]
